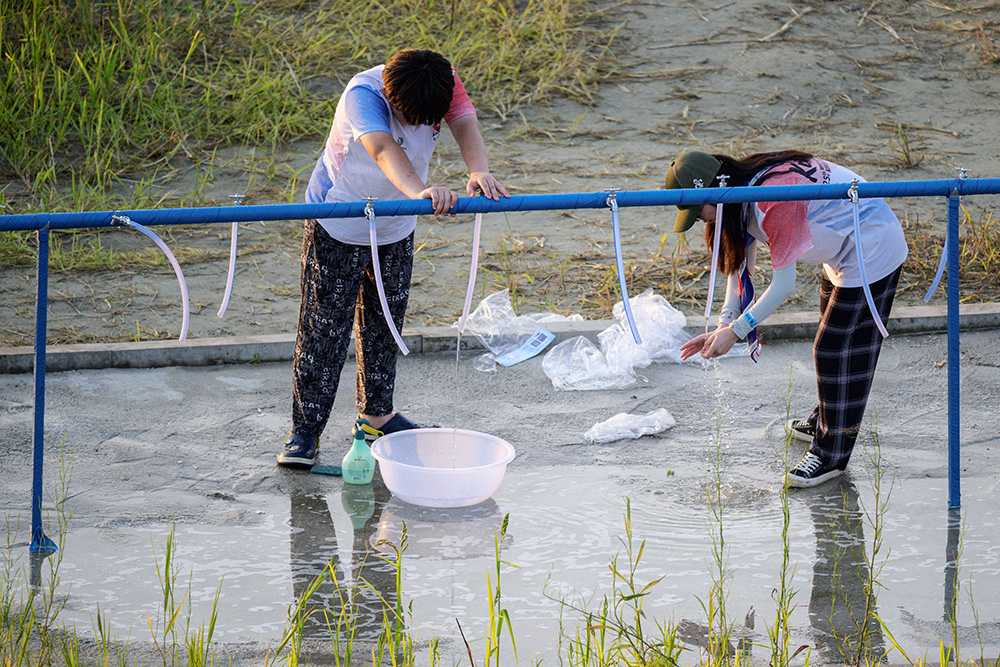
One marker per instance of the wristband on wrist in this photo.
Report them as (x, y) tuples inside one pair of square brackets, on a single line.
[(750, 320)]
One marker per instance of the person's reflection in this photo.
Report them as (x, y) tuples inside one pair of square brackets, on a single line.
[(371, 592), (838, 600)]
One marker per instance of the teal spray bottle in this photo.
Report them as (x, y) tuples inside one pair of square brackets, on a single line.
[(358, 465)]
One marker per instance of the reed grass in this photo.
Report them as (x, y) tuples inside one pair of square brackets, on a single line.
[(499, 616), (875, 556), (617, 631), (720, 649)]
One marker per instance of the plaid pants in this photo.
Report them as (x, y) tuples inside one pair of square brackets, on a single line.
[(338, 293), (845, 352)]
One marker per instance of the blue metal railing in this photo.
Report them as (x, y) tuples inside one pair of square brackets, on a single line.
[(213, 214), (952, 189)]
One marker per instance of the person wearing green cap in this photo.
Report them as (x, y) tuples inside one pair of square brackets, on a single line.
[(847, 343)]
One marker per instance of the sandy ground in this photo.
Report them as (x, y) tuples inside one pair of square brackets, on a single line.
[(898, 90)]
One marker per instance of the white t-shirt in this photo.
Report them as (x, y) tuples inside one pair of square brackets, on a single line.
[(825, 233), (346, 172)]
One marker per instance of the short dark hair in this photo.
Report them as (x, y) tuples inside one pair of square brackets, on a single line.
[(419, 83)]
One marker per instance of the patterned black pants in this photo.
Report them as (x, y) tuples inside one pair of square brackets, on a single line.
[(338, 294), (846, 351)]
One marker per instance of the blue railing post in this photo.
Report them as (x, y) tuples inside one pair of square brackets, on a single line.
[(954, 467), (39, 542)]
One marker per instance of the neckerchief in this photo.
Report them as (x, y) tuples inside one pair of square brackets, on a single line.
[(744, 289)]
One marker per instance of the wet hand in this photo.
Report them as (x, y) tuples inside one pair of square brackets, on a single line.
[(710, 345), (693, 346), (489, 185), (718, 343), (442, 198)]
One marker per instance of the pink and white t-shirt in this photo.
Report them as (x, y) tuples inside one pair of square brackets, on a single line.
[(822, 231), (346, 172)]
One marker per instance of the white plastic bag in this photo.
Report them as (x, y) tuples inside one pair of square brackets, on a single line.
[(625, 425), (660, 325), (577, 363), (495, 325), (509, 338), (547, 318)]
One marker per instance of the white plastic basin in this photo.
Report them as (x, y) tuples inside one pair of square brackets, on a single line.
[(442, 467)]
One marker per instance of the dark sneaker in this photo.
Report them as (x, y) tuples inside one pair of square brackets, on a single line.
[(811, 471), (299, 451), (800, 429), (397, 423)]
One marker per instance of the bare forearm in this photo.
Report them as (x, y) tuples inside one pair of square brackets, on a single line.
[(470, 142), (400, 173)]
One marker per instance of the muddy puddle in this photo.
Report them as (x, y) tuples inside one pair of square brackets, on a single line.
[(565, 526)]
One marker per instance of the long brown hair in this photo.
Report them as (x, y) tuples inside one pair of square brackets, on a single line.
[(732, 251)]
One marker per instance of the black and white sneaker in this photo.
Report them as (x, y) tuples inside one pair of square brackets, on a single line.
[(300, 451), (811, 471), (800, 429)]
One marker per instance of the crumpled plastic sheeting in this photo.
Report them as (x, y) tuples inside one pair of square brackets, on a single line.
[(500, 330), (626, 425), (660, 325), (578, 364)]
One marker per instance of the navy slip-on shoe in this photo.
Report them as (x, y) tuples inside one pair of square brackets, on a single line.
[(300, 451)]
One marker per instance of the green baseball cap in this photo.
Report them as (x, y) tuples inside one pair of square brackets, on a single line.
[(691, 170)]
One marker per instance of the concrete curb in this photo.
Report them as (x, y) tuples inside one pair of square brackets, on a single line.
[(425, 340)]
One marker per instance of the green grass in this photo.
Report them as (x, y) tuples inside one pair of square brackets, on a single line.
[(96, 91)]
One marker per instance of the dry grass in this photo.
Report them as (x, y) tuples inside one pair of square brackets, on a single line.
[(979, 234)]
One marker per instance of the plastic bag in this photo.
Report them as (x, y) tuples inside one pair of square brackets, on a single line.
[(579, 364), (485, 363), (574, 364), (620, 350), (660, 325), (546, 318), (510, 338), (625, 425), (495, 325)]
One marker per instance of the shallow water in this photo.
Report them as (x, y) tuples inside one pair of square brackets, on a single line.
[(566, 524)]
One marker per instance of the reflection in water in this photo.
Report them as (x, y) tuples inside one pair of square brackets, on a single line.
[(837, 602), (35, 561), (951, 554), (314, 549), (950, 629), (440, 533), (377, 522)]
